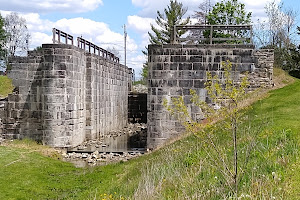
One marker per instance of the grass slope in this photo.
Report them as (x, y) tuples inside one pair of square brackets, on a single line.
[(6, 86), (183, 170)]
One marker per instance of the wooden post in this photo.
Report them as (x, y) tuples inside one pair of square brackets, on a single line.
[(53, 33), (251, 35), (174, 35), (58, 37)]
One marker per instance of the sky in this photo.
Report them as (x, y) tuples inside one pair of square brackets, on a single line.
[(102, 21)]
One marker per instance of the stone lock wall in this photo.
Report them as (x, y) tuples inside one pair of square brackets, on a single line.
[(65, 96), (174, 69)]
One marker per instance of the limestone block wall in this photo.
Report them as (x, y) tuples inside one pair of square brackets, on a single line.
[(63, 95), (174, 69), (2, 115), (106, 100)]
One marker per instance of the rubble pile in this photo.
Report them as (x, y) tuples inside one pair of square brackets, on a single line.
[(121, 145)]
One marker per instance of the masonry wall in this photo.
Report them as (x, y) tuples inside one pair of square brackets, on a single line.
[(175, 69), (65, 96)]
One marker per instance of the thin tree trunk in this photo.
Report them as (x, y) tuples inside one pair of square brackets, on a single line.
[(235, 156)]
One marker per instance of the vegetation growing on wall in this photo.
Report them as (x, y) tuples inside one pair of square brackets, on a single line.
[(226, 95), (182, 170)]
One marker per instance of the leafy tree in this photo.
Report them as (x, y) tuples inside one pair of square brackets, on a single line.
[(17, 41), (164, 33), (2, 38), (226, 94), (229, 12)]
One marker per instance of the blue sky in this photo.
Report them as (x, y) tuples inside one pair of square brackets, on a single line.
[(101, 21)]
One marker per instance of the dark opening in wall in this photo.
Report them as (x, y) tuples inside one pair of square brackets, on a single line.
[(137, 108)]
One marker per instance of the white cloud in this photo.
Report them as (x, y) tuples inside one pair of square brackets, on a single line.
[(50, 5), (140, 24), (98, 33), (35, 23), (150, 7), (39, 38), (136, 62)]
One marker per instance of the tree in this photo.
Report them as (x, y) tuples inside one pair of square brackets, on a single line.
[(226, 94), (229, 12), (115, 51), (164, 34), (201, 14), (172, 16), (17, 41), (2, 38), (277, 33)]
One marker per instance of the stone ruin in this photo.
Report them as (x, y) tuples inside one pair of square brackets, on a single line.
[(176, 68), (66, 95)]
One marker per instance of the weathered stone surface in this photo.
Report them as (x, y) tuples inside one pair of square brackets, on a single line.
[(175, 69), (65, 96)]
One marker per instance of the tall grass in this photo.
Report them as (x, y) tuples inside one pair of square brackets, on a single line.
[(185, 169)]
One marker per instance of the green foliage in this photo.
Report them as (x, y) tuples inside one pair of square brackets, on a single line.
[(2, 38), (226, 94), (164, 33), (172, 16), (287, 58), (229, 12), (182, 170), (144, 74), (38, 48)]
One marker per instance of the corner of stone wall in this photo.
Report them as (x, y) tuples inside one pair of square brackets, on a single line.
[(175, 69), (262, 72), (65, 96)]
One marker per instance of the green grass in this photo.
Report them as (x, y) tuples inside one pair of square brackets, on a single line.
[(6, 86), (185, 169)]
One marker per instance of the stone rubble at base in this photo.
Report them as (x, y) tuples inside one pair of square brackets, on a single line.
[(101, 158), (96, 158)]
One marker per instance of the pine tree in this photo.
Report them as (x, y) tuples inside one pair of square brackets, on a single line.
[(172, 16), (164, 34)]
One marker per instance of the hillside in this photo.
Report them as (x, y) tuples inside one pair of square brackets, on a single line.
[(186, 169), (6, 86)]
